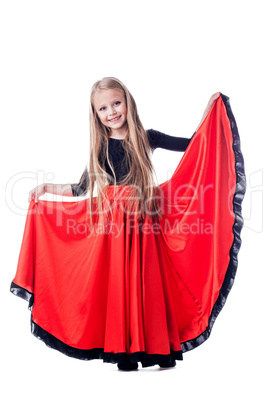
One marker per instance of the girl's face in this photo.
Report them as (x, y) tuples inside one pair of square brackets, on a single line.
[(111, 108)]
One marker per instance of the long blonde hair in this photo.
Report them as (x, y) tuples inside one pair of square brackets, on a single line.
[(137, 156)]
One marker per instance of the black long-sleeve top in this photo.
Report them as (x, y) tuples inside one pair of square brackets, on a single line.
[(116, 154)]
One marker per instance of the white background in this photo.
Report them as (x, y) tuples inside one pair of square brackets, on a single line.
[(173, 56)]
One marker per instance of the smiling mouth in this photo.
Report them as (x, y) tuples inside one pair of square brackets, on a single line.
[(115, 119)]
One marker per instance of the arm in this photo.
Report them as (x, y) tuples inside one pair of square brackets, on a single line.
[(70, 190), (161, 140), (61, 189), (82, 186)]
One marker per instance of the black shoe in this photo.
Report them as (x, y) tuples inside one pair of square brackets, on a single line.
[(172, 364), (127, 366)]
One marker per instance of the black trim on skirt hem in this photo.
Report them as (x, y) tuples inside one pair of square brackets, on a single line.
[(237, 227), (23, 293), (98, 353), (90, 354)]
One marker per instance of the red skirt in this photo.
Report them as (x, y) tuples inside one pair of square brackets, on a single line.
[(145, 291)]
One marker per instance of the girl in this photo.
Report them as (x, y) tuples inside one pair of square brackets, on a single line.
[(114, 115), (141, 296)]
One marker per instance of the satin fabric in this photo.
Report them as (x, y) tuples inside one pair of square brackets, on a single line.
[(134, 287)]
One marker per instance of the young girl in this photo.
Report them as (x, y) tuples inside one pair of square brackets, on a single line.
[(137, 293), (116, 135)]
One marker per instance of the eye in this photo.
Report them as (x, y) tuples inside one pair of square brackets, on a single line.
[(116, 103)]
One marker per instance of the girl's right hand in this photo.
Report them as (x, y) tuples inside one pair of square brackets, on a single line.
[(37, 192)]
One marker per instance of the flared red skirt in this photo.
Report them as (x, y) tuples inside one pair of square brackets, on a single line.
[(144, 290)]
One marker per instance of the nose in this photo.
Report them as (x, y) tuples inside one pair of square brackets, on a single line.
[(111, 111)]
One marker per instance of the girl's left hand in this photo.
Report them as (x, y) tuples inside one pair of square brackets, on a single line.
[(213, 98), (209, 106)]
